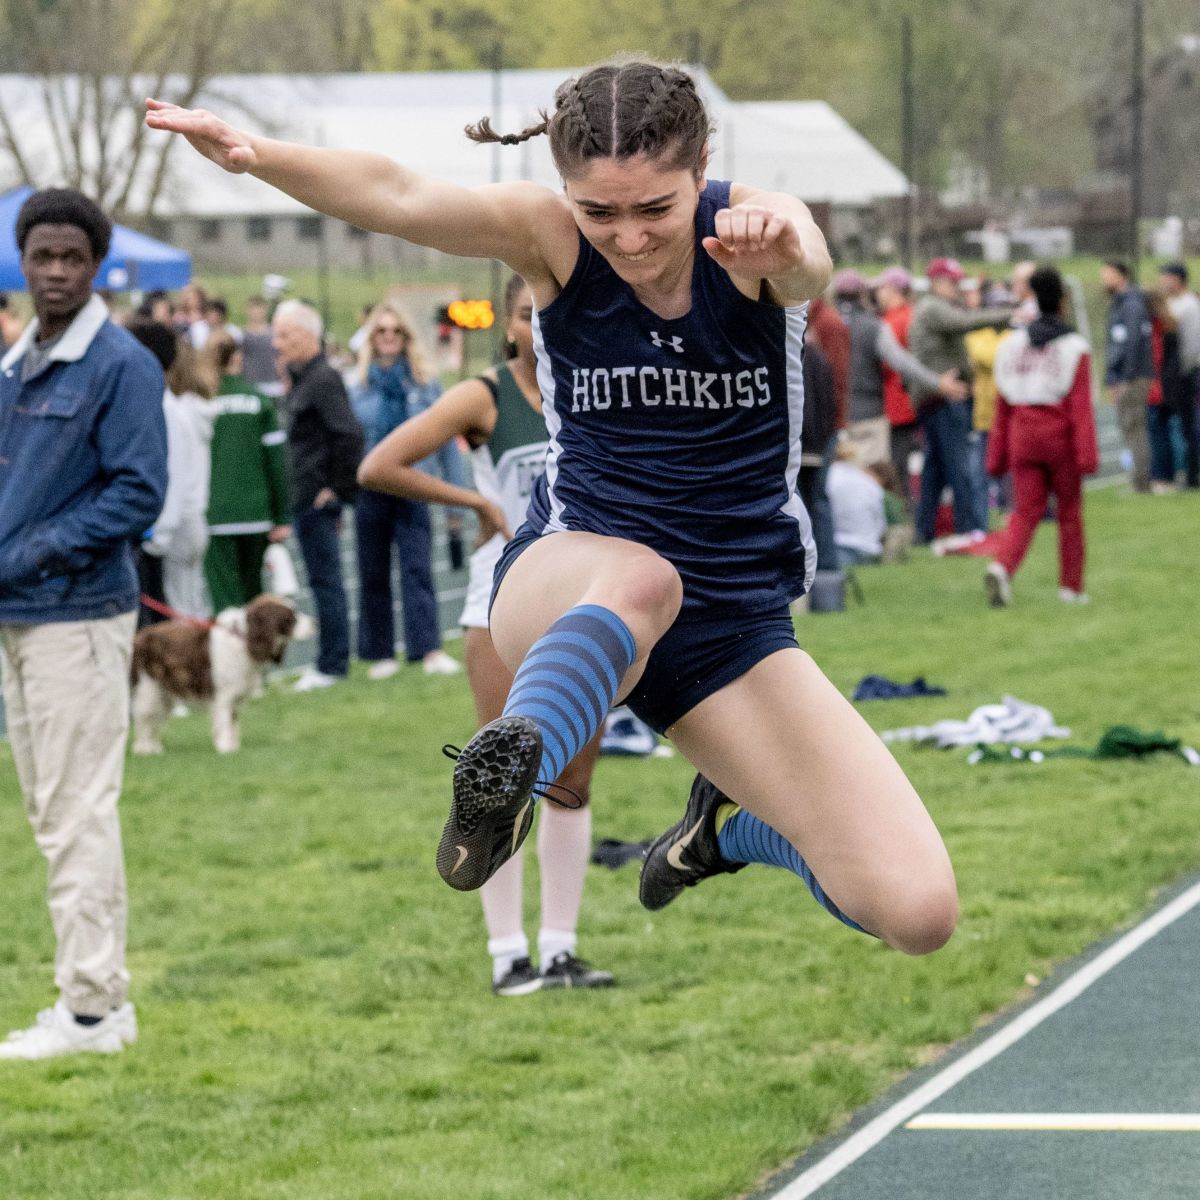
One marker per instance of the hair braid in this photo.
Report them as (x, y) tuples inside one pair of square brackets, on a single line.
[(663, 112), (575, 121), (483, 131)]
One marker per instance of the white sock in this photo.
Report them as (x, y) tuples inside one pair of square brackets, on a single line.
[(553, 942), (505, 951)]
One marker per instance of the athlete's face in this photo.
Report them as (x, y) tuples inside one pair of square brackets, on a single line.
[(638, 213), (519, 329)]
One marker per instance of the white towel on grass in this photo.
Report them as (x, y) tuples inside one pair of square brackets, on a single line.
[(1011, 722)]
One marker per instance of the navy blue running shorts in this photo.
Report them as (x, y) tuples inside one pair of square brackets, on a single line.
[(695, 657)]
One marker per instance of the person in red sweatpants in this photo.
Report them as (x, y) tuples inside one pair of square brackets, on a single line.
[(1045, 435)]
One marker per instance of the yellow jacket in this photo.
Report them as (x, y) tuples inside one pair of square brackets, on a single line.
[(982, 345)]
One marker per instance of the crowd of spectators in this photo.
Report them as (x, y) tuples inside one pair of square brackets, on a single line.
[(266, 424), (903, 404), (267, 419)]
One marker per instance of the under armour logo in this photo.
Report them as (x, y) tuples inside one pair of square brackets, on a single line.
[(675, 343)]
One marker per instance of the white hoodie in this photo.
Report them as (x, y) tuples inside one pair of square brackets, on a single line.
[(181, 531)]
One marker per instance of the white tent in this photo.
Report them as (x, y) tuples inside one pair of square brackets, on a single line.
[(805, 148)]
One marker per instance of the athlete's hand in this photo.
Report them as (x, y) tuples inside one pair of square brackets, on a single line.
[(491, 522), (227, 147), (755, 242)]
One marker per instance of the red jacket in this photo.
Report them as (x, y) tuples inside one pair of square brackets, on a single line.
[(832, 334), (1154, 396), (1043, 406), (897, 403)]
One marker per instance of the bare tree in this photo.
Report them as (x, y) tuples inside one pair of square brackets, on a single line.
[(75, 118)]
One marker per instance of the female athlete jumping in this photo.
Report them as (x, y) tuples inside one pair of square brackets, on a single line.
[(665, 538)]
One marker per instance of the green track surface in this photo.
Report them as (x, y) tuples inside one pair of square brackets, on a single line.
[(1124, 1045), (316, 1017)]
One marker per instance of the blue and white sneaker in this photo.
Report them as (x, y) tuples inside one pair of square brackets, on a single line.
[(627, 735)]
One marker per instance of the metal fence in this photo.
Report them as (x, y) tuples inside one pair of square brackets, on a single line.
[(451, 586)]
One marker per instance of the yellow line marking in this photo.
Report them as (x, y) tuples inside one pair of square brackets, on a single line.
[(1061, 1122)]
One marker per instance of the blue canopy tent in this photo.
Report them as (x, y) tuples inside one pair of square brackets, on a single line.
[(134, 261)]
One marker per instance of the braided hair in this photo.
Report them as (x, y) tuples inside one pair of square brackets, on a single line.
[(618, 110)]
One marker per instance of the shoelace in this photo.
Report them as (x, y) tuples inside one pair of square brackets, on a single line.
[(540, 788)]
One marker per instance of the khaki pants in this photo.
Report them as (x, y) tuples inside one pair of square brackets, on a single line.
[(66, 696), (871, 439), (1131, 417)]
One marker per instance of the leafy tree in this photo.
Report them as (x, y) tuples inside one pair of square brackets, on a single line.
[(94, 64)]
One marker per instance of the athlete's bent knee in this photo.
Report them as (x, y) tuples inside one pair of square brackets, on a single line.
[(645, 584), (922, 922)]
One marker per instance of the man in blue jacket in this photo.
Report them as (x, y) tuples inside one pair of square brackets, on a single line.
[(1129, 365), (83, 471)]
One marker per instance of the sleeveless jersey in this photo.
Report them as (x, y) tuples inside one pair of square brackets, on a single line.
[(683, 434), (506, 465)]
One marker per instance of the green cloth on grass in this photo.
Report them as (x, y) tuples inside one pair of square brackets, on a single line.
[(1118, 741)]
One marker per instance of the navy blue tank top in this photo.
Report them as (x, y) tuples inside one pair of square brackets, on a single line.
[(683, 434)]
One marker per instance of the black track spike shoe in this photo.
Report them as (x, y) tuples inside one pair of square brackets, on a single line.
[(492, 810), (687, 852)]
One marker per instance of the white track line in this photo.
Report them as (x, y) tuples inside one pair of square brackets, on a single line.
[(871, 1134), (1055, 1122)]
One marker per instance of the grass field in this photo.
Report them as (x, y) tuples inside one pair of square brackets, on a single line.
[(316, 1017)]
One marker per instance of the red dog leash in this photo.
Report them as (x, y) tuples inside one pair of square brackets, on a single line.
[(166, 610)]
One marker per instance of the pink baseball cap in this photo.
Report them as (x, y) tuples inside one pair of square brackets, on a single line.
[(945, 268), (897, 277), (849, 283)]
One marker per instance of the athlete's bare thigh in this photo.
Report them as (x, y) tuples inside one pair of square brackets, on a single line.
[(785, 744)]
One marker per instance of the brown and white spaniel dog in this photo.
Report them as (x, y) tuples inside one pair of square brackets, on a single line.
[(219, 665)]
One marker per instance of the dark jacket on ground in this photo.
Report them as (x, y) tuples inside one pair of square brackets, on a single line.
[(325, 441)]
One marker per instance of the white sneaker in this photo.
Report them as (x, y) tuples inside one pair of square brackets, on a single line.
[(385, 668), (998, 585), (440, 663), (313, 680), (1070, 596), (55, 1032)]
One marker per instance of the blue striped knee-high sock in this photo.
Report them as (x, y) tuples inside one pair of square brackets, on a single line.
[(744, 838), (568, 681)]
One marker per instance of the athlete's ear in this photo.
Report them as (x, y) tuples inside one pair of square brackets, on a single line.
[(702, 168)]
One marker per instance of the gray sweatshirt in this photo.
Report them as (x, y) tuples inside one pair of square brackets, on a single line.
[(936, 337)]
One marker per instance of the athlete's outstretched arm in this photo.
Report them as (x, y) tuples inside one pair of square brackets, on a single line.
[(771, 237), (371, 191), (465, 410)]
